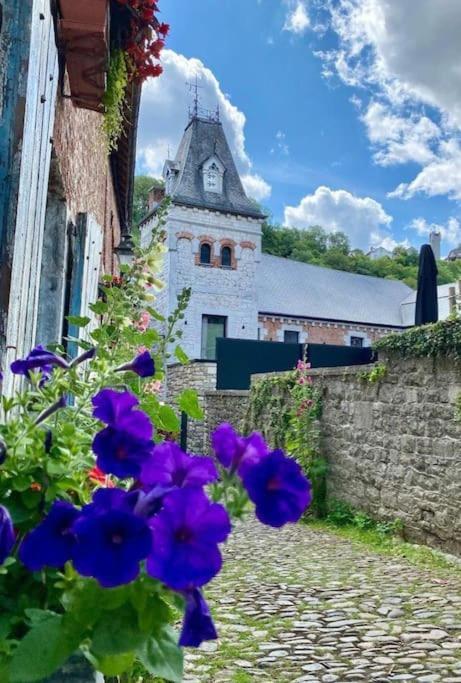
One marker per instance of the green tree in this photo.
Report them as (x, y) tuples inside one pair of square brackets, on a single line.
[(332, 250), (142, 185)]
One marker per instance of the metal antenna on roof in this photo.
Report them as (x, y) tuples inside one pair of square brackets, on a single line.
[(194, 88)]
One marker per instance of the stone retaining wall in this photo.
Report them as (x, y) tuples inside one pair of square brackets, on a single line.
[(394, 447)]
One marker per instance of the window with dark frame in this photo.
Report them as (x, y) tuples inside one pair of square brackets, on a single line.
[(357, 342), (205, 254), (291, 337), (213, 327), (226, 257)]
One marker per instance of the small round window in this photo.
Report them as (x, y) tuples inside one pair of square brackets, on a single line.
[(205, 253), (226, 257)]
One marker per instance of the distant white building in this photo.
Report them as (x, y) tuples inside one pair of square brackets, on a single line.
[(214, 247)]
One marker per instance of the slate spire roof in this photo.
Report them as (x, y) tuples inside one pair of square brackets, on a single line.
[(202, 139)]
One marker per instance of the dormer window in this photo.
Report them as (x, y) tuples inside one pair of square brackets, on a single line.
[(213, 172), (205, 254)]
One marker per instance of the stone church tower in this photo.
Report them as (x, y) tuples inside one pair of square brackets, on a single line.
[(213, 238)]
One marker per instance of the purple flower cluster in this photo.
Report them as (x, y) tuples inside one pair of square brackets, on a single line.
[(165, 522), (274, 482)]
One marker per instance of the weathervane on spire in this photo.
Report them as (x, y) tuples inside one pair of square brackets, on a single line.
[(196, 110), (194, 88)]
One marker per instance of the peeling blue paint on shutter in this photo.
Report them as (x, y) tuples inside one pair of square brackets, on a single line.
[(42, 82), (87, 246)]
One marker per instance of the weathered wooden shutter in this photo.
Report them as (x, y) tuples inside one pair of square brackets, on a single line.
[(42, 82), (86, 262), (93, 251)]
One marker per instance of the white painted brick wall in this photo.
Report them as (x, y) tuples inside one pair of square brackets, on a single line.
[(215, 291)]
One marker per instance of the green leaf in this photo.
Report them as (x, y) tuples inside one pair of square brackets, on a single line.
[(115, 665), (43, 650), (78, 320), (100, 307), (22, 482), (155, 314), (117, 632), (181, 355), (188, 403), (168, 419), (161, 656)]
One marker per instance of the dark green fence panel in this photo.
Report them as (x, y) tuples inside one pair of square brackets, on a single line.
[(238, 359)]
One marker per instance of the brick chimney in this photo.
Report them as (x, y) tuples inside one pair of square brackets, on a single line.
[(155, 196), (435, 239)]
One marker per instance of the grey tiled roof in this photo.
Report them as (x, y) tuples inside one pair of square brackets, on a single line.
[(291, 288), (201, 140)]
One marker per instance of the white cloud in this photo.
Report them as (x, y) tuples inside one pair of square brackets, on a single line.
[(297, 19), (442, 176), (399, 139), (387, 242), (406, 54), (256, 187), (163, 117), (450, 231), (363, 219), (281, 145)]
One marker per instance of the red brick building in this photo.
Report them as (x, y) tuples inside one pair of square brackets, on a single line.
[(65, 201)]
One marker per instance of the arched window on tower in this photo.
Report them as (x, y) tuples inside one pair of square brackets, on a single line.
[(226, 257), (205, 254)]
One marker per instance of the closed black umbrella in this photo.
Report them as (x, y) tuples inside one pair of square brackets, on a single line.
[(427, 305)]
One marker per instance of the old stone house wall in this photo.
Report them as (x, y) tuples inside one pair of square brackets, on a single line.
[(394, 446), (201, 377), (218, 406)]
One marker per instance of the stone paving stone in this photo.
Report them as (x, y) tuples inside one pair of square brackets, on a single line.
[(301, 605)]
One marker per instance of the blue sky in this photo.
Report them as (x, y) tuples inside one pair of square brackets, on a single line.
[(329, 106)]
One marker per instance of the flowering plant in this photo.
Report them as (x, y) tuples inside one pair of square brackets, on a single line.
[(302, 438), (145, 38), (108, 530)]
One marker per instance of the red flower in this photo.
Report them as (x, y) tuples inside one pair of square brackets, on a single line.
[(163, 29), (98, 477)]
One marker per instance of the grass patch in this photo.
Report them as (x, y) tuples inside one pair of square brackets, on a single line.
[(389, 543)]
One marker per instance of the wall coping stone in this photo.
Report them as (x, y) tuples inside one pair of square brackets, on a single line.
[(340, 371), (228, 392)]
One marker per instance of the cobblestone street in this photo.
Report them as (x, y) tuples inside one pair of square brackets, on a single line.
[(301, 605)]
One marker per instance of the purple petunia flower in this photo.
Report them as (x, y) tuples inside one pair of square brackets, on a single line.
[(277, 487), (150, 503), (126, 443), (110, 405), (7, 537), (197, 625), (170, 466), (143, 365), (111, 540), (186, 533), (51, 542), (38, 359), (232, 449), (120, 453)]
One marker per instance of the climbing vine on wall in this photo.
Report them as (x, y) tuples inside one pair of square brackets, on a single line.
[(286, 409), (438, 339)]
